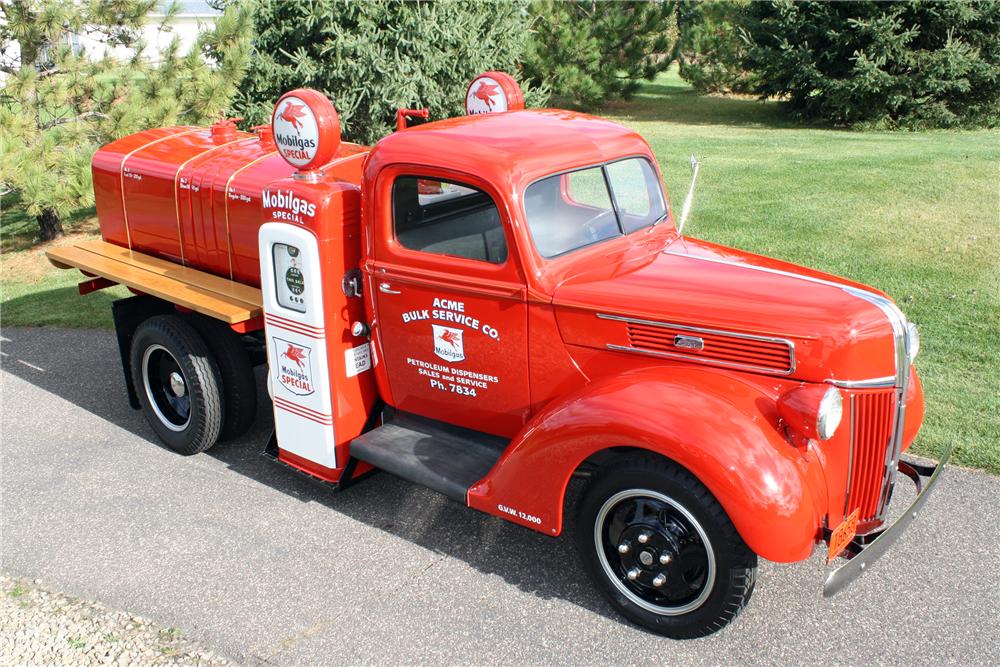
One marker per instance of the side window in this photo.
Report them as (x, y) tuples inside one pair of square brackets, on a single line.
[(447, 218)]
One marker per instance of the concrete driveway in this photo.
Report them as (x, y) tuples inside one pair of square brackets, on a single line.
[(269, 568)]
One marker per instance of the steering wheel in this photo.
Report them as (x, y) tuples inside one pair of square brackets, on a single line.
[(591, 228)]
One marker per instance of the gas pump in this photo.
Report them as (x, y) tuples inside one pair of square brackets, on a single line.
[(319, 370)]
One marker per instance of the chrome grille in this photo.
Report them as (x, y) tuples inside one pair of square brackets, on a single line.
[(872, 421)]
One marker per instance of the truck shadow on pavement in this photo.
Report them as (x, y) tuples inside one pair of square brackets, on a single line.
[(88, 374)]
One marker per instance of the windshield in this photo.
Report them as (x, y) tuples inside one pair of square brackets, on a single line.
[(579, 208)]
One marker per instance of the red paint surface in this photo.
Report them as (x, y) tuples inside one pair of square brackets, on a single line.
[(561, 394)]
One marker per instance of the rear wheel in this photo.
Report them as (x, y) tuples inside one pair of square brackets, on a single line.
[(177, 384), (239, 386), (662, 549)]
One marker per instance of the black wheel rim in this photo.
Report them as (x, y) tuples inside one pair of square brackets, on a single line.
[(655, 552), (166, 388)]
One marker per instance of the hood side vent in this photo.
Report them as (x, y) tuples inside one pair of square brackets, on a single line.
[(711, 346)]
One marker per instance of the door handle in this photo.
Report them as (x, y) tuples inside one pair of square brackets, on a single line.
[(386, 288)]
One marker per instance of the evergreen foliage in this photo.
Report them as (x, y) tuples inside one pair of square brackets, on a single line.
[(371, 58), (58, 104), (711, 46), (900, 64), (588, 52)]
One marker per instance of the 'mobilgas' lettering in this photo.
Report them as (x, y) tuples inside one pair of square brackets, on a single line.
[(286, 199), (293, 141)]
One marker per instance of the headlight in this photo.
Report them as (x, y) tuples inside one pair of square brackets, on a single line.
[(813, 411), (912, 340), (831, 409)]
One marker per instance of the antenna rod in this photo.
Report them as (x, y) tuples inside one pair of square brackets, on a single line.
[(695, 165)]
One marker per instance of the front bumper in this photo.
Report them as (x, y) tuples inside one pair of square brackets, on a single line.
[(866, 549)]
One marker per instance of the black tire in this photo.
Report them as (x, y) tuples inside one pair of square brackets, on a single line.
[(669, 526), (185, 412), (239, 386)]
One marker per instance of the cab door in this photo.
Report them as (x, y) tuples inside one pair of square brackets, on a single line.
[(450, 310)]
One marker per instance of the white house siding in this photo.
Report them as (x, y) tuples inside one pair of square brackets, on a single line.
[(194, 17)]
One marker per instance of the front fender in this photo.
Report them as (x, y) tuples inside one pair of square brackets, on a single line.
[(720, 426)]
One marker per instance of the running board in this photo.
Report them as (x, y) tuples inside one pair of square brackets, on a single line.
[(442, 457)]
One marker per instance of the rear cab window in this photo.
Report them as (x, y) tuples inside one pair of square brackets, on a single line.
[(447, 218), (571, 210)]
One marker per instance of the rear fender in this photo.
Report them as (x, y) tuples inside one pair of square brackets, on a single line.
[(719, 426)]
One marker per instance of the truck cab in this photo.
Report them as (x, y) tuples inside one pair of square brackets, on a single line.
[(466, 241), (494, 304)]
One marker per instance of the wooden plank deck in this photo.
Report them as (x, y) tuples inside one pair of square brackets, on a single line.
[(202, 292)]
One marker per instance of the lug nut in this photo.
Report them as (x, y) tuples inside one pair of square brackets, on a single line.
[(643, 538), (665, 558), (623, 548), (659, 580), (633, 574)]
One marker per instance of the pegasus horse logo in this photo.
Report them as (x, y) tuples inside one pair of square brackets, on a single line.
[(292, 113), (450, 337), (448, 343), (485, 92), (296, 355)]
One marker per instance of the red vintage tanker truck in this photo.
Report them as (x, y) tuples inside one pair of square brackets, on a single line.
[(493, 304)]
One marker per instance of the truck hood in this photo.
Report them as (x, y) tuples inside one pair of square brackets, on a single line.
[(746, 312)]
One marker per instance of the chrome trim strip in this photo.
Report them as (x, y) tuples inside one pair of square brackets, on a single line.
[(850, 460), (754, 267), (897, 320), (730, 334), (685, 327), (686, 357), (872, 383)]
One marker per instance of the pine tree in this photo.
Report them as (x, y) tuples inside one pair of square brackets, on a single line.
[(371, 58), (59, 103), (712, 46), (588, 52), (900, 64)]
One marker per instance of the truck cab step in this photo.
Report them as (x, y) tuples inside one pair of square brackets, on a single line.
[(442, 457)]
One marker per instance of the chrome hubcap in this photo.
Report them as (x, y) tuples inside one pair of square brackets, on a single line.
[(165, 387), (673, 572), (177, 385)]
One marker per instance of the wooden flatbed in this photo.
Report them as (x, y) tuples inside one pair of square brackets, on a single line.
[(223, 299)]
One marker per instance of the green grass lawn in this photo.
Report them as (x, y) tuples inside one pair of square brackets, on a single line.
[(32, 291), (914, 214)]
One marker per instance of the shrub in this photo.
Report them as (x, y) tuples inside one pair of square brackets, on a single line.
[(373, 57), (711, 46), (901, 64), (589, 52)]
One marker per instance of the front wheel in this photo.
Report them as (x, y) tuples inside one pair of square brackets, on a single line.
[(662, 549)]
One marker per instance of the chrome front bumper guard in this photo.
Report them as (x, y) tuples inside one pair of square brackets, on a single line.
[(866, 549)]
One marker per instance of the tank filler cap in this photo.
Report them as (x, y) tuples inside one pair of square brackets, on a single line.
[(224, 130), (493, 92), (264, 133), (306, 128)]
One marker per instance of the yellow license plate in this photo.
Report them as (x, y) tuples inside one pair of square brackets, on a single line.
[(842, 535)]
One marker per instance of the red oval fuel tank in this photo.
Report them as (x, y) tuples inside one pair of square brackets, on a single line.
[(193, 195)]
